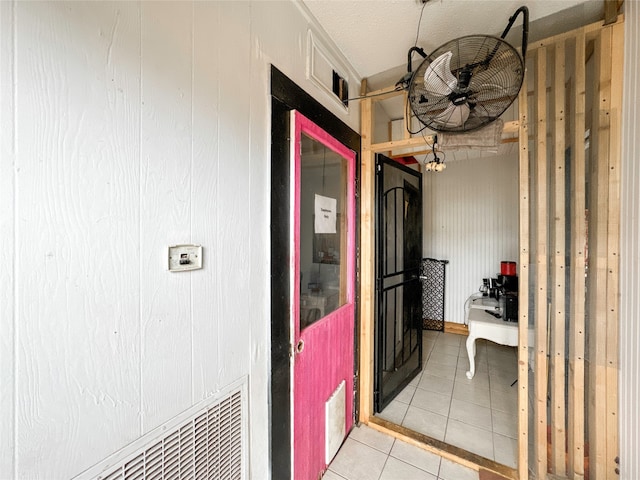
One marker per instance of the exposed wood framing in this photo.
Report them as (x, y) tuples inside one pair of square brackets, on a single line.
[(523, 296), (558, 292), (396, 144), (578, 253), (597, 276), (541, 306), (594, 183), (456, 454), (613, 247), (367, 258), (509, 127), (610, 11), (554, 181)]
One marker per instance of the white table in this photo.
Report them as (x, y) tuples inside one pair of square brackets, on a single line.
[(483, 325)]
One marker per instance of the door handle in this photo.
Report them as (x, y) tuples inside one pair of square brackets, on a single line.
[(300, 346)]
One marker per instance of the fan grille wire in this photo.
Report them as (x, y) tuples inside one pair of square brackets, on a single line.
[(497, 72)]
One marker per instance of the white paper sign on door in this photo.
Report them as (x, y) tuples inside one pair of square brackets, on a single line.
[(325, 211)]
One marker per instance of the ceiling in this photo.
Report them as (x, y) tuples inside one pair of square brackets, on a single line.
[(375, 35)]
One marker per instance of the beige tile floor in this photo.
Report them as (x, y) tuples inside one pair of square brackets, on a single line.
[(479, 415), (370, 455)]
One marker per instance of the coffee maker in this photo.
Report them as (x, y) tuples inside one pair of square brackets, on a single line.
[(508, 281), (504, 288), (491, 288)]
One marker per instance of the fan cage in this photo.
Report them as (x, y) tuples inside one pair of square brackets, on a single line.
[(497, 73)]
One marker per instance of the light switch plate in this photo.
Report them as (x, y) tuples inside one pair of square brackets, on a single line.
[(184, 257)]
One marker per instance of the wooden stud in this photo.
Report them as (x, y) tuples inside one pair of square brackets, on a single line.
[(383, 93), (613, 245), (591, 32), (395, 144), (597, 281), (610, 11), (364, 85), (558, 293), (577, 287), (511, 127), (541, 324), (523, 294), (367, 259), (442, 449)]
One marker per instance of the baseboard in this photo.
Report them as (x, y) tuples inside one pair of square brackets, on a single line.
[(457, 328)]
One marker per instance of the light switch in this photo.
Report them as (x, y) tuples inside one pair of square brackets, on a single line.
[(185, 257)]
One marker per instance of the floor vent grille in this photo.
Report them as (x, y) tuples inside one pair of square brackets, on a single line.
[(208, 446)]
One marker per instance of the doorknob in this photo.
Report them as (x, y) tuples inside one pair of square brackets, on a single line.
[(300, 346)]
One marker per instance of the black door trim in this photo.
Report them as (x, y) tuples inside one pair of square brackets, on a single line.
[(287, 96)]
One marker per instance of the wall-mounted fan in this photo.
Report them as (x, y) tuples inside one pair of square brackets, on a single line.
[(468, 82)]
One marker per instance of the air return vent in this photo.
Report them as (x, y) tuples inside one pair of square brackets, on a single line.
[(326, 72), (208, 445)]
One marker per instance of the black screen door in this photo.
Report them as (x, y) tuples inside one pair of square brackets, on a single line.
[(398, 347)]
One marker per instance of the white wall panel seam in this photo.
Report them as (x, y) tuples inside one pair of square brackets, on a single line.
[(8, 238), (140, 250), (14, 138), (191, 205)]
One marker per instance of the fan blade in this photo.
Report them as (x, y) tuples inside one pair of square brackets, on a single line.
[(438, 79), (453, 115)]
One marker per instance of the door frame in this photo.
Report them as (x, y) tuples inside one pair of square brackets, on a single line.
[(368, 301), (287, 96)]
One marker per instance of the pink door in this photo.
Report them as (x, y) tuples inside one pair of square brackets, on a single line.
[(323, 313)]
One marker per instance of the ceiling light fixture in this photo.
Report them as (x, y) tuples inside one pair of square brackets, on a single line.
[(437, 162)]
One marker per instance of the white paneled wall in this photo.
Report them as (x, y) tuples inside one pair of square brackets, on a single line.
[(7, 241), (128, 127), (630, 253), (471, 219)]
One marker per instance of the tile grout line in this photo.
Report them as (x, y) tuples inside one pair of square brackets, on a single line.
[(446, 428)]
